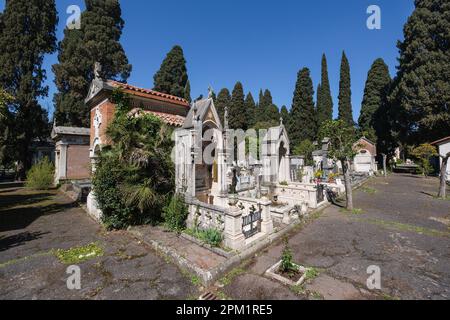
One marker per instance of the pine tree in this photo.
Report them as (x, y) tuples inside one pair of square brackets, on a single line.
[(172, 77), (27, 34), (302, 124), (324, 99), (96, 41), (345, 93), (223, 100), (250, 107), (371, 122), (421, 91), (237, 112)]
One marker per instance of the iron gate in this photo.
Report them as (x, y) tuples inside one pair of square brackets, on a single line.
[(251, 224)]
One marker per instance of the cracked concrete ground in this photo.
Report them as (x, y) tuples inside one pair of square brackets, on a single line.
[(32, 224), (403, 229)]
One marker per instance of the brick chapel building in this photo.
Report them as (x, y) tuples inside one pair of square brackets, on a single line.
[(170, 109)]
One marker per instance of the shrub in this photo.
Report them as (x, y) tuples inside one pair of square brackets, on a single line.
[(108, 174), (135, 175), (213, 237), (41, 175), (175, 214), (287, 265)]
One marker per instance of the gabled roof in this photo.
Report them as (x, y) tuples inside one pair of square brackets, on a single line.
[(99, 86), (365, 139), (149, 93), (441, 141), (73, 131), (201, 108)]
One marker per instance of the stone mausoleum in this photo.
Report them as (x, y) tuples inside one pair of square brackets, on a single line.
[(236, 182)]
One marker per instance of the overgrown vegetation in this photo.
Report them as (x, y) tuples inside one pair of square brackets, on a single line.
[(175, 214), (133, 177), (211, 236), (423, 154), (79, 254), (40, 176)]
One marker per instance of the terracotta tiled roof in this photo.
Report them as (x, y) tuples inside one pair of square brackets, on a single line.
[(150, 93), (170, 119)]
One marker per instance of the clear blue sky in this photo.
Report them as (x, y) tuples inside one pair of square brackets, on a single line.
[(263, 44)]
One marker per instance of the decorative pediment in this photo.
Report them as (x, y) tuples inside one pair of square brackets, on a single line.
[(94, 89)]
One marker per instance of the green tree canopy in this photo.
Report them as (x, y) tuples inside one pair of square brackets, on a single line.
[(342, 141), (302, 122), (423, 153), (238, 115), (324, 99), (250, 107), (172, 77), (96, 41), (27, 35), (267, 111), (345, 93), (6, 136), (373, 120), (223, 100), (421, 90)]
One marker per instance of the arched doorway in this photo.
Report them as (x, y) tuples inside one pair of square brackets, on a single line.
[(206, 172), (282, 152)]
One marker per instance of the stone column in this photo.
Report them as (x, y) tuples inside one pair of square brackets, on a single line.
[(62, 170), (234, 237), (267, 222)]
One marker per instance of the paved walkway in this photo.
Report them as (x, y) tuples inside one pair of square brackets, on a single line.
[(403, 229), (33, 224)]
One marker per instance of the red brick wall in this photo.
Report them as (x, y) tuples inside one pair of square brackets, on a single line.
[(107, 110), (78, 162), (363, 144)]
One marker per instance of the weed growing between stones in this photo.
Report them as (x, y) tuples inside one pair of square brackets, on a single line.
[(79, 254)]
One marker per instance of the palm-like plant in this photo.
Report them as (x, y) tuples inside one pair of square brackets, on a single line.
[(142, 146)]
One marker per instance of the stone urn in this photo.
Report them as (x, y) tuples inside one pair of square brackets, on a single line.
[(233, 199)]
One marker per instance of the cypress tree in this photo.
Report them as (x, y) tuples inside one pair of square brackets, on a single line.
[(27, 34), (302, 124), (324, 99), (250, 107), (371, 122), (187, 92), (345, 93), (96, 41), (267, 111), (237, 111), (284, 113), (421, 91), (223, 100), (172, 77)]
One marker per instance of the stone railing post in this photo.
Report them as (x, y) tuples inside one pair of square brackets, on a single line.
[(267, 222), (234, 237)]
